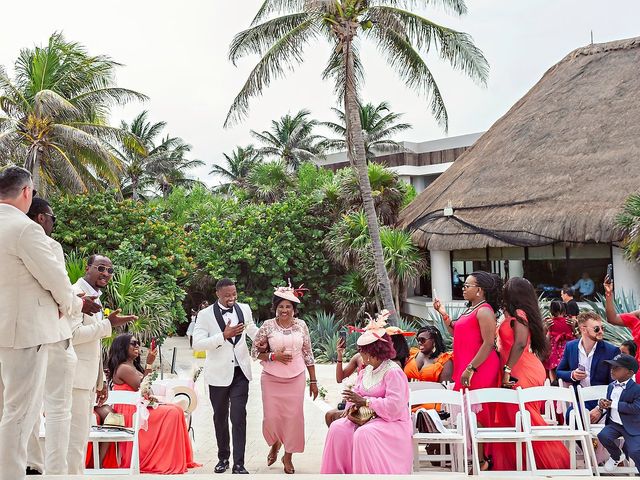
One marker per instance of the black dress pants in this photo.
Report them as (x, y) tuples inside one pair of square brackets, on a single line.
[(225, 400)]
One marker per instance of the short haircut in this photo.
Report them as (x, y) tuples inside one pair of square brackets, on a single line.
[(224, 282), (631, 345), (92, 258), (569, 291), (38, 206), (557, 308), (584, 317), (12, 180)]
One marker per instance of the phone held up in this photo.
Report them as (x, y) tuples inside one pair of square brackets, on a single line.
[(153, 344), (609, 277), (343, 335)]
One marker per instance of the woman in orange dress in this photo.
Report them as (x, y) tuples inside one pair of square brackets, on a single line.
[(521, 344), (165, 447), (429, 362)]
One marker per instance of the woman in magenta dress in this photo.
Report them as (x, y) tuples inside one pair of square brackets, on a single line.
[(476, 363), (165, 446), (383, 444), (521, 344), (559, 332), (284, 346)]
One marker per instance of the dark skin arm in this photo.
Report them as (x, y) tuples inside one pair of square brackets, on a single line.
[(612, 316), (520, 333), (487, 322), (447, 372), (342, 373), (129, 375)]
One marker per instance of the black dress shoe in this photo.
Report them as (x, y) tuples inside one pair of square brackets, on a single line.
[(222, 466), (33, 471), (239, 469)]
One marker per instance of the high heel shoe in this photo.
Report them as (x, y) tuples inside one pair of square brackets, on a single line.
[(288, 470), (273, 456)]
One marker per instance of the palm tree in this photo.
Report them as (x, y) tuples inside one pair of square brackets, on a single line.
[(55, 116), (239, 164), (148, 162), (291, 139), (400, 35), (269, 182), (379, 125)]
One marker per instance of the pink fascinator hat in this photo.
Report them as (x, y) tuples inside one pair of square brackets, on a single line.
[(289, 293), (375, 329)]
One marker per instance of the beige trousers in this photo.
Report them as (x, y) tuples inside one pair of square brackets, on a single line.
[(81, 412)]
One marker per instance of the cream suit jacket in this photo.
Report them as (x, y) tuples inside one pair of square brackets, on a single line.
[(87, 333), (219, 366), (34, 287)]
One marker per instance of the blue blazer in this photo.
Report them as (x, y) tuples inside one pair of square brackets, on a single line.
[(628, 407), (600, 371)]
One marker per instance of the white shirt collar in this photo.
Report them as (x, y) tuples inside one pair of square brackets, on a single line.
[(89, 289), (584, 351)]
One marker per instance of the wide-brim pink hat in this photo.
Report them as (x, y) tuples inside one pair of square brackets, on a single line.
[(290, 293)]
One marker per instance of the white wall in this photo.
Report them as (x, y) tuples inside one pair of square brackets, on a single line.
[(626, 275), (441, 276)]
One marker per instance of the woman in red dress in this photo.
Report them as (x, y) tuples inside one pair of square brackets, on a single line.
[(559, 332), (521, 344), (165, 447), (476, 363)]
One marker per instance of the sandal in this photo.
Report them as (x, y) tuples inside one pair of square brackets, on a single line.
[(288, 470), (486, 464), (273, 456)]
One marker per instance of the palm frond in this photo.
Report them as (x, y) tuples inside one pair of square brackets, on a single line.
[(270, 7)]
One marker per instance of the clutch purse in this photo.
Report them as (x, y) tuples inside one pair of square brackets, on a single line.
[(360, 415)]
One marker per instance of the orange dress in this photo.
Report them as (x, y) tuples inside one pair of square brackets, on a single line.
[(530, 373), (429, 373), (165, 448)]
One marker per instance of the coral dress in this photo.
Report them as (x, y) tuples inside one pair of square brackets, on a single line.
[(383, 445), (429, 372), (467, 340), (165, 448), (530, 373), (560, 332)]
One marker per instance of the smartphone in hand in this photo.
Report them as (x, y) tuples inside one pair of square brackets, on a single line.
[(582, 368), (609, 277), (153, 344), (343, 335)]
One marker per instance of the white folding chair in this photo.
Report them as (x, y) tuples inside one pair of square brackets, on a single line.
[(484, 434), (570, 433), (414, 386), (595, 393), (97, 437), (454, 437)]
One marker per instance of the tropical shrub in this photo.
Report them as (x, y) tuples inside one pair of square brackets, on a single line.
[(624, 302)]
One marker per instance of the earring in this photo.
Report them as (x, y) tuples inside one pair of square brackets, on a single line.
[(477, 294)]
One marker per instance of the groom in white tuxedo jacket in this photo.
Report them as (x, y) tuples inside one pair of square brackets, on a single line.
[(220, 330)]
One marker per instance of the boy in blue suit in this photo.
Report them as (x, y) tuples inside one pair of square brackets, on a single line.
[(622, 410)]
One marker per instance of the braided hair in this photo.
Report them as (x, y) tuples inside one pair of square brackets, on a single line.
[(491, 285), (438, 342)]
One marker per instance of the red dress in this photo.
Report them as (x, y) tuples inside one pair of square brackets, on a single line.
[(165, 448), (467, 340), (530, 373), (633, 323), (560, 332)]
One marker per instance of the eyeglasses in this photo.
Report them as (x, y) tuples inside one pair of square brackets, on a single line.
[(468, 285), (34, 192), (134, 343), (422, 340), (102, 269), (597, 329), (53, 217)]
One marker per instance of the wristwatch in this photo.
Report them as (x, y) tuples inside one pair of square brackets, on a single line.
[(472, 368)]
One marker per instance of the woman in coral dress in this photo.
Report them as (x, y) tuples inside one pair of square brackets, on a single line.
[(476, 362), (383, 444), (521, 343), (165, 446)]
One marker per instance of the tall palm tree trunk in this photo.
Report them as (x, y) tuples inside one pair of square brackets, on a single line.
[(33, 163), (134, 189), (357, 155)]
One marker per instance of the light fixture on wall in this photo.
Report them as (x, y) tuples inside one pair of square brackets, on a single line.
[(448, 210)]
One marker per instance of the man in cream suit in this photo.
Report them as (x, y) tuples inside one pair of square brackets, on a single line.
[(220, 330), (61, 366), (88, 382), (34, 293)]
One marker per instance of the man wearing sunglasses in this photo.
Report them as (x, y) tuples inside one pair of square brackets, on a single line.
[(88, 383), (585, 360), (35, 292)]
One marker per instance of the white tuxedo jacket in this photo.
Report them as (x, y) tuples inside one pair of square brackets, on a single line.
[(207, 335), (34, 287), (87, 331)]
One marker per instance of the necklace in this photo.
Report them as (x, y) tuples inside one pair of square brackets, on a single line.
[(371, 377), (282, 326), (473, 309)]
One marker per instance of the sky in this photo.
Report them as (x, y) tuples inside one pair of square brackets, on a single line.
[(176, 53)]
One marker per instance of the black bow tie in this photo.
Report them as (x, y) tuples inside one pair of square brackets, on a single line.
[(226, 310)]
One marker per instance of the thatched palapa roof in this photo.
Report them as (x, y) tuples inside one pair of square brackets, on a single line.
[(557, 167)]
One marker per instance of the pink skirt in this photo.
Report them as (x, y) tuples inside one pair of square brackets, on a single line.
[(283, 411)]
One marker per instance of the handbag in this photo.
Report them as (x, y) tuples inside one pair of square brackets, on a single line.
[(360, 415)]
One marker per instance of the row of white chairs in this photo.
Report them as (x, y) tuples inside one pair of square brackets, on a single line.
[(464, 432)]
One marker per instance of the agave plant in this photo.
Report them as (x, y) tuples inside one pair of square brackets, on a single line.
[(76, 265), (434, 319), (135, 293)]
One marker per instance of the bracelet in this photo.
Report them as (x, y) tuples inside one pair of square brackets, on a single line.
[(270, 357), (313, 381), (471, 368), (446, 318), (507, 369), (608, 294), (339, 360), (148, 366)]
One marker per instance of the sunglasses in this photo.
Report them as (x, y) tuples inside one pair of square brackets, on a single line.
[(34, 192), (135, 343), (597, 329), (468, 285), (102, 269), (422, 340)]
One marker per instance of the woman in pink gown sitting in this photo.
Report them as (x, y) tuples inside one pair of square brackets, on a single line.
[(165, 447), (381, 445)]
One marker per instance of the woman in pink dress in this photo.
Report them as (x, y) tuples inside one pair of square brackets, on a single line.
[(559, 332), (284, 346), (476, 363), (521, 344), (383, 444)]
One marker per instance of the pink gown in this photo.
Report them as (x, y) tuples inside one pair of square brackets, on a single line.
[(382, 445), (467, 340)]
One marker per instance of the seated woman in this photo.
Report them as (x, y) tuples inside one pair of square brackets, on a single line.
[(165, 447), (382, 387)]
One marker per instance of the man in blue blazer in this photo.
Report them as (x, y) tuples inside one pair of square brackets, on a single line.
[(622, 410), (585, 360)]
